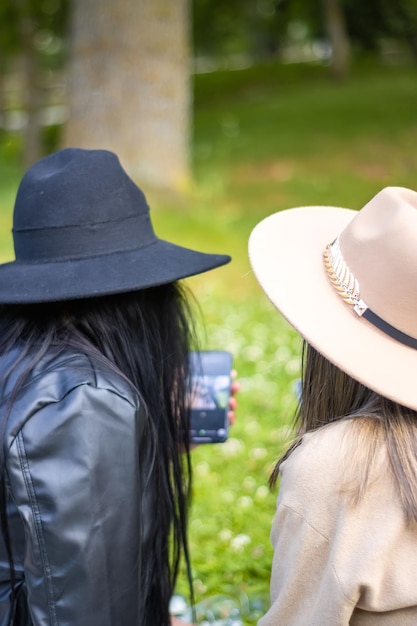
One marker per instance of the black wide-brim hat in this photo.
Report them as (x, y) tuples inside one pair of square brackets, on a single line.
[(81, 228)]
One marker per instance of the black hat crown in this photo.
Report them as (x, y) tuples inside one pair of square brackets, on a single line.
[(78, 203)]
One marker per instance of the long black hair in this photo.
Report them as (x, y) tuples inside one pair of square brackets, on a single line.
[(144, 336)]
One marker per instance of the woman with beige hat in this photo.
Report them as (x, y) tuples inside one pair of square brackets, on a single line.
[(345, 529)]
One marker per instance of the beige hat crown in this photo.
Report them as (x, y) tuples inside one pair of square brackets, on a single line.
[(347, 281), (379, 248)]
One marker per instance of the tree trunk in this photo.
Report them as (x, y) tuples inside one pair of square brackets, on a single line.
[(130, 85), (32, 140), (336, 29)]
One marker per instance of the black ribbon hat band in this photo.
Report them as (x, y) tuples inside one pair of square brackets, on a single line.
[(347, 287), (390, 330), (77, 242)]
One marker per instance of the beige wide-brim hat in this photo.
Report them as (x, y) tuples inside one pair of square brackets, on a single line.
[(356, 300)]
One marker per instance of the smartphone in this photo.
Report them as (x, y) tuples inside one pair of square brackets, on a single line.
[(210, 372)]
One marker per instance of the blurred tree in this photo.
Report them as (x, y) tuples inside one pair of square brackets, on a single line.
[(259, 28), (129, 71), (9, 43), (28, 16), (335, 23), (219, 28), (129, 85), (372, 21), (29, 30), (255, 28), (406, 17), (267, 27)]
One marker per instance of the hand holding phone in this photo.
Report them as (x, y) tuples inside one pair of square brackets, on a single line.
[(210, 392)]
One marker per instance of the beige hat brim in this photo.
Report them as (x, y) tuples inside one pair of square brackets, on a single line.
[(286, 254)]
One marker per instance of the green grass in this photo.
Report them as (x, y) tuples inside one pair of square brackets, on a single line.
[(266, 138)]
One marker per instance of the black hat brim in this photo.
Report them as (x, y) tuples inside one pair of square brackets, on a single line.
[(158, 263)]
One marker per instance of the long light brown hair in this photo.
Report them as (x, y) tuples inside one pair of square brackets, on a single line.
[(327, 395)]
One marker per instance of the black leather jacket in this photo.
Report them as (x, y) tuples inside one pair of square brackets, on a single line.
[(74, 483)]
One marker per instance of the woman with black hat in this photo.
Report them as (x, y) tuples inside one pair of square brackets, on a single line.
[(94, 336), (345, 529)]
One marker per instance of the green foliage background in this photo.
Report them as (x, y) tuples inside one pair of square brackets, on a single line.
[(266, 138)]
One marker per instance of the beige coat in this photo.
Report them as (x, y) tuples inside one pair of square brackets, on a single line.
[(336, 563)]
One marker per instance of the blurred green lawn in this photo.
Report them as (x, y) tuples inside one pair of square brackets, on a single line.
[(266, 138)]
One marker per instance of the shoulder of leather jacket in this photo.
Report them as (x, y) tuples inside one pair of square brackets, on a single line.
[(53, 378)]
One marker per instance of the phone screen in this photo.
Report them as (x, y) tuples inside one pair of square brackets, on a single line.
[(210, 392)]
